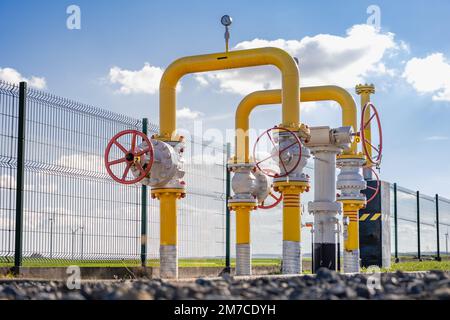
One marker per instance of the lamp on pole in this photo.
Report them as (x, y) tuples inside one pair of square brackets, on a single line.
[(74, 232), (51, 219)]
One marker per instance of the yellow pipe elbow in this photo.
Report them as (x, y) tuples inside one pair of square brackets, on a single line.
[(319, 93), (229, 60)]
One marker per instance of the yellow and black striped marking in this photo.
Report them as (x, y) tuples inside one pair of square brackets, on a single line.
[(369, 216)]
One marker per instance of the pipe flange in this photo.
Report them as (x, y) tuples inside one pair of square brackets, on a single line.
[(324, 206), (234, 204), (241, 165), (158, 192), (361, 198), (295, 186)]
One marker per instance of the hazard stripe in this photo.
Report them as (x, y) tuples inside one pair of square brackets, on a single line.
[(364, 217), (375, 216)]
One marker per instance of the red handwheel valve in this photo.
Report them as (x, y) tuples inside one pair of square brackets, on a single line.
[(375, 189), (280, 153), (372, 160), (139, 157)]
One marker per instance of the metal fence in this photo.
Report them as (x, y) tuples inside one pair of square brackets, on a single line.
[(72, 210), (420, 224)]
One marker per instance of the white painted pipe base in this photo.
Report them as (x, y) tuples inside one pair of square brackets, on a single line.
[(351, 261), (168, 262), (243, 260), (292, 262)]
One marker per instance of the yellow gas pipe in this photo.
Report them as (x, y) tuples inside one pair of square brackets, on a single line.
[(167, 110), (365, 90), (349, 118)]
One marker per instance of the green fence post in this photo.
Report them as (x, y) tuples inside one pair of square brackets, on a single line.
[(20, 177), (418, 226), (228, 216), (144, 210), (395, 224), (438, 249)]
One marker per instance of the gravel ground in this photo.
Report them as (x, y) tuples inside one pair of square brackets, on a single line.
[(325, 285)]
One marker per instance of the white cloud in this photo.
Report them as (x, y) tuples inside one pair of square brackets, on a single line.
[(145, 80), (437, 138), (324, 59), (188, 114), (430, 75), (13, 76)]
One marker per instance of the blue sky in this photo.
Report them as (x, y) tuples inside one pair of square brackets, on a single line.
[(124, 35)]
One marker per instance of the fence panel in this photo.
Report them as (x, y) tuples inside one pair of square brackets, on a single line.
[(444, 225), (73, 210), (9, 101), (428, 242), (407, 222)]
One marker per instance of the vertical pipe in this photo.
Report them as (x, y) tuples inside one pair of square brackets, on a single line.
[(243, 249), (168, 234), (438, 250), (395, 224), (227, 212), (20, 176), (338, 255), (312, 249), (365, 91), (291, 232), (144, 209), (418, 225)]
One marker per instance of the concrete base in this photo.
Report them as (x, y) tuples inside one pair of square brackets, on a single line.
[(291, 258), (169, 262), (243, 260), (351, 261)]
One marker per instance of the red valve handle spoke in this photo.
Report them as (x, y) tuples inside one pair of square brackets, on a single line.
[(370, 144), (140, 153), (375, 189), (273, 205), (125, 173), (271, 139), (280, 152), (133, 142), (111, 163), (120, 146), (132, 157), (367, 145), (368, 121)]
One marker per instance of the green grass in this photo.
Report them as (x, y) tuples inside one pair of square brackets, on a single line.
[(31, 262), (405, 264), (420, 266)]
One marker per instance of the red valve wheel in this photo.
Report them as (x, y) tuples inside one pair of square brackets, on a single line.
[(367, 145), (277, 199), (131, 156), (376, 189), (268, 133)]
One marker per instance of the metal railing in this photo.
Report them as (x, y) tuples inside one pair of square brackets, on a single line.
[(72, 210), (420, 224)]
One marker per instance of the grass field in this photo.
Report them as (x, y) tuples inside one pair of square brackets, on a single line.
[(30, 262), (406, 264)]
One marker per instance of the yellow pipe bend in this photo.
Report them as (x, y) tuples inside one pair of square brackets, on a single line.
[(229, 60), (319, 93)]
